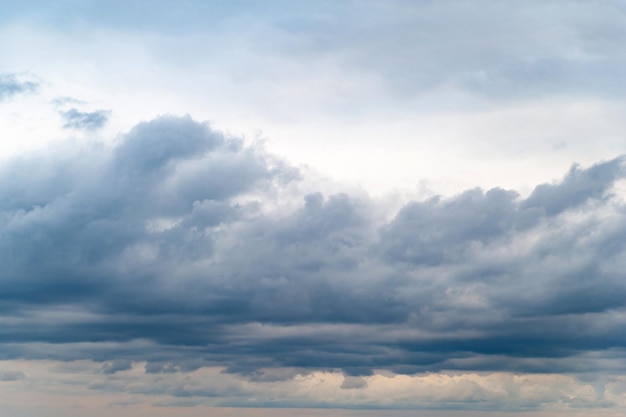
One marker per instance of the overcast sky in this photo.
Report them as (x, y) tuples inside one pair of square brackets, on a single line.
[(329, 208)]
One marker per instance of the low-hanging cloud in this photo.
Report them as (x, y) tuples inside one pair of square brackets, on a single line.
[(174, 247)]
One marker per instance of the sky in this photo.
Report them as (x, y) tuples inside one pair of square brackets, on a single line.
[(331, 208)]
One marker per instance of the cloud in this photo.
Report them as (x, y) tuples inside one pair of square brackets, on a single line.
[(353, 382), (115, 366), (209, 386), (376, 52), (65, 100), (11, 375), (482, 49), (11, 85), (179, 262), (74, 119), (184, 248)]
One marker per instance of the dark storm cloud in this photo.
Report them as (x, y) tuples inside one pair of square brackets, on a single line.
[(75, 119), (11, 85), (181, 247)]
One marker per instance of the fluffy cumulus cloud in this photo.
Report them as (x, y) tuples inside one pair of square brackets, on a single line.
[(179, 256), (173, 267)]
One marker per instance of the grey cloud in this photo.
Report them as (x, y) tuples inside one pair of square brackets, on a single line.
[(577, 187), (11, 375), (63, 101), (116, 366), (11, 85), (172, 248), (157, 368), (270, 374), (526, 50), (529, 49), (79, 120), (436, 231), (352, 382)]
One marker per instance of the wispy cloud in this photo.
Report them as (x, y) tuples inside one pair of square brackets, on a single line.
[(12, 85), (75, 119), (11, 375)]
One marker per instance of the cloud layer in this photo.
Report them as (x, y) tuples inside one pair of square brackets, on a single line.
[(175, 267), (182, 248)]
